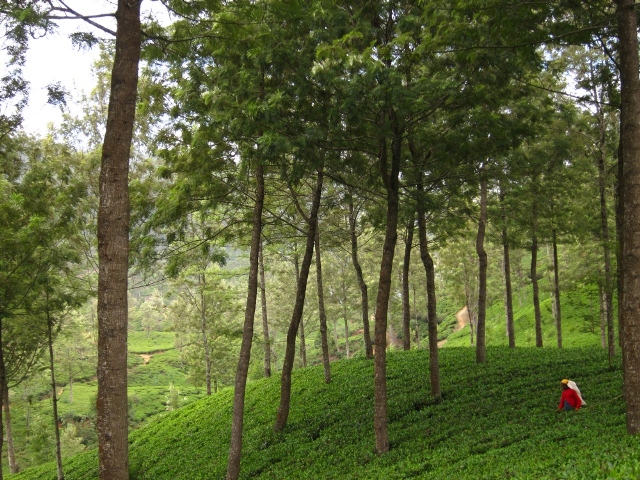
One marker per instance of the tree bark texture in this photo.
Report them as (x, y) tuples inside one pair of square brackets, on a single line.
[(296, 317), (432, 318), (481, 354), (391, 182), (364, 296), (113, 248), (235, 446), (406, 306), (508, 295), (321, 312), (630, 145), (265, 323)]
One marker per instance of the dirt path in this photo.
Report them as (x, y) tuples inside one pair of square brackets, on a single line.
[(463, 319)]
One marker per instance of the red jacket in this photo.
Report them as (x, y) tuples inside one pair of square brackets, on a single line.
[(571, 397)]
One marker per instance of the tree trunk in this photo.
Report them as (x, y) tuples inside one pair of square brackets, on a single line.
[(11, 453), (235, 446), (364, 296), (534, 274), (432, 319), (556, 289), (71, 388), (417, 322), (303, 345), (508, 295), (481, 354), (603, 317), (296, 317), (605, 236), (630, 146), (346, 327), (3, 387), (303, 349), (265, 323), (203, 331), (322, 313), (113, 249), (406, 308), (391, 182), (54, 394), (471, 307)]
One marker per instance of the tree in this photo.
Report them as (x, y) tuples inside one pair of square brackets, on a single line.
[(113, 248), (630, 159)]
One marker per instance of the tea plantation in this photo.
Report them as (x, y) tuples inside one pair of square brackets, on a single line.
[(496, 421)]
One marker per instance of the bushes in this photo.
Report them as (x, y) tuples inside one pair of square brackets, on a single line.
[(497, 420)]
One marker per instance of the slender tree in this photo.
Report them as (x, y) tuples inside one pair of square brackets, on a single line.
[(321, 312), (265, 322), (482, 273), (406, 308), (287, 365)]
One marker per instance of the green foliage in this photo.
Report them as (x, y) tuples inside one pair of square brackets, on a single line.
[(141, 342), (496, 420)]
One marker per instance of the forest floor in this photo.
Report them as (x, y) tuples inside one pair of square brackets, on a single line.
[(463, 319)]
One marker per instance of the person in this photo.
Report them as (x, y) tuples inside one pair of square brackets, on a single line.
[(570, 399)]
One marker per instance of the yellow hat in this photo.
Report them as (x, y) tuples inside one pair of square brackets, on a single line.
[(565, 381)]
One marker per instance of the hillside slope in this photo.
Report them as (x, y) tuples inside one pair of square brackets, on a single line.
[(497, 420)]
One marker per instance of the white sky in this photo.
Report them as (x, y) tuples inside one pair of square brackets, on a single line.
[(54, 59)]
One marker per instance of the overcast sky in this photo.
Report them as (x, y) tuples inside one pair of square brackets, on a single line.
[(53, 59)]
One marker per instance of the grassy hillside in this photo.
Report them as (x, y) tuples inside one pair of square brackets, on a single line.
[(157, 382), (580, 321), (497, 420)]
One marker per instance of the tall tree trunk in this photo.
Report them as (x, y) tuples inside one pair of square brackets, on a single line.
[(605, 236), (54, 394), (556, 289), (603, 317), (417, 322), (235, 446), (303, 345), (508, 295), (321, 312), (113, 248), (296, 317), (347, 334), (203, 331), (391, 182), (303, 348), (534, 273), (3, 387), (481, 354), (71, 387), (471, 307), (630, 146), (265, 323), (406, 308), (364, 296), (432, 318), (11, 452)]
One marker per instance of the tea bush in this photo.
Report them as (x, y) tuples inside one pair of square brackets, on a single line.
[(495, 421)]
